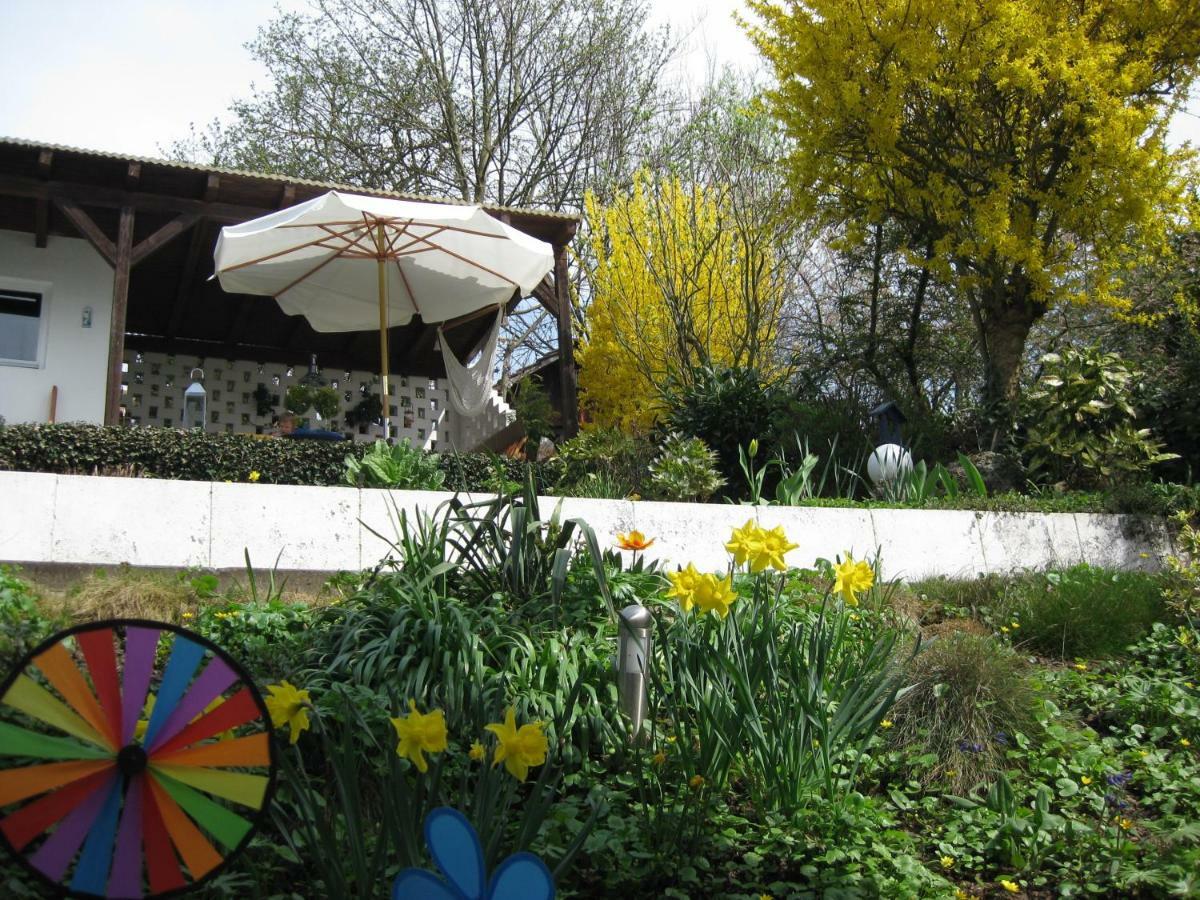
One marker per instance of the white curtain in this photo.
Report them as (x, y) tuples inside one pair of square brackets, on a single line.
[(471, 386)]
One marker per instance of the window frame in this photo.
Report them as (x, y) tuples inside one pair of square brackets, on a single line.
[(44, 289)]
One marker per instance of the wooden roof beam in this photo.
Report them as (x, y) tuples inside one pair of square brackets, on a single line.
[(187, 279), (88, 228), (133, 176), (167, 233)]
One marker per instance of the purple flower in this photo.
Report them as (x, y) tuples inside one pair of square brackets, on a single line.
[(1120, 779), (1001, 738)]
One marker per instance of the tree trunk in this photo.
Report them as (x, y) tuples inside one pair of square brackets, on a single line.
[(1007, 315)]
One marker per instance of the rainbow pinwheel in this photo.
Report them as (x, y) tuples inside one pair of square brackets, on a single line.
[(135, 759)]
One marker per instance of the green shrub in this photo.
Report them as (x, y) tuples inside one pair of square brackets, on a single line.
[(1080, 420), (685, 469), (23, 622), (969, 695), (619, 460), (199, 456), (725, 407), (1084, 611), (399, 467)]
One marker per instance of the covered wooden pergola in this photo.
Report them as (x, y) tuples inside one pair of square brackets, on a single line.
[(156, 223)]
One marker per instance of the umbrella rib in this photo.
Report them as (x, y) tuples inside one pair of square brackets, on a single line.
[(408, 287), (470, 262), (288, 250), (326, 261)]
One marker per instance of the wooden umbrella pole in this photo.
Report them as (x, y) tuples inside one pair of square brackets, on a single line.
[(383, 329)]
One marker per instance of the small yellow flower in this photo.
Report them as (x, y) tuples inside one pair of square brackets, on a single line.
[(288, 706), (744, 542), (683, 586), (1143, 753), (519, 748), (854, 617), (1081, 667), (764, 897), (1010, 886), (189, 615), (672, 739), (960, 894), (1184, 742), (477, 752), (420, 733), (886, 723), (696, 782), (1085, 780), (947, 862), (635, 540), (659, 758), (850, 578), (1004, 629), (771, 547), (1014, 625), (952, 773), (1123, 823), (254, 476), (713, 594)]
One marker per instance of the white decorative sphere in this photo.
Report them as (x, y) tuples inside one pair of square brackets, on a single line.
[(888, 462)]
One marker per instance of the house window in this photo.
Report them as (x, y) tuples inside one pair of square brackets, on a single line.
[(22, 314)]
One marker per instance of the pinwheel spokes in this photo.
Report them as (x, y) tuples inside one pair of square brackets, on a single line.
[(105, 799)]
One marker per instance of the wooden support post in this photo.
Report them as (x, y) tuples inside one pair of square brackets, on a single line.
[(116, 332), (568, 381)]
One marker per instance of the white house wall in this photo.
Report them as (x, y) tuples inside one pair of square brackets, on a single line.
[(74, 358)]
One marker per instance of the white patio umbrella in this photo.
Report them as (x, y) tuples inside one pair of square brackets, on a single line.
[(350, 263)]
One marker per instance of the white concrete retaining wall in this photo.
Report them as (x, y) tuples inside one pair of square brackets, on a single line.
[(144, 522)]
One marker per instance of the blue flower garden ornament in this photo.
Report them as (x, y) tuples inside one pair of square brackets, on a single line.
[(456, 850)]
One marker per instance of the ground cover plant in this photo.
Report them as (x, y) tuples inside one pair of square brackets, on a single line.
[(809, 732)]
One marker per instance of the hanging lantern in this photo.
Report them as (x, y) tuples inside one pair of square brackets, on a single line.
[(195, 402)]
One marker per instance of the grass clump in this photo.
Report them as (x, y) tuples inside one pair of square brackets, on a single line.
[(1083, 612), (128, 593), (969, 695)]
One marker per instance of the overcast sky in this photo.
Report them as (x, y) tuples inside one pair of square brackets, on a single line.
[(130, 76)]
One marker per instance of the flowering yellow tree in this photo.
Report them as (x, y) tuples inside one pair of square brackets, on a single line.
[(1018, 144), (678, 276)]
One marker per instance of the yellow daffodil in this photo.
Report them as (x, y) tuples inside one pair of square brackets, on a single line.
[(683, 586), (255, 475), (635, 540), (477, 752), (850, 578), (744, 542), (947, 862), (420, 733), (519, 749), (771, 547), (659, 758), (886, 724), (1011, 886), (696, 782), (1085, 780), (713, 594), (288, 706)]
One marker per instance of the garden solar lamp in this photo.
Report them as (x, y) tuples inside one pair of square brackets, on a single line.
[(195, 401), (890, 460), (633, 651)]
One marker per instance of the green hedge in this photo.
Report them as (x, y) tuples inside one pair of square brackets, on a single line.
[(198, 456)]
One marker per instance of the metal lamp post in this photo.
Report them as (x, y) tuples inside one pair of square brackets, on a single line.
[(633, 653)]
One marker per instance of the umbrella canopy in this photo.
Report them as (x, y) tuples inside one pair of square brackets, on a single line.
[(350, 263)]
